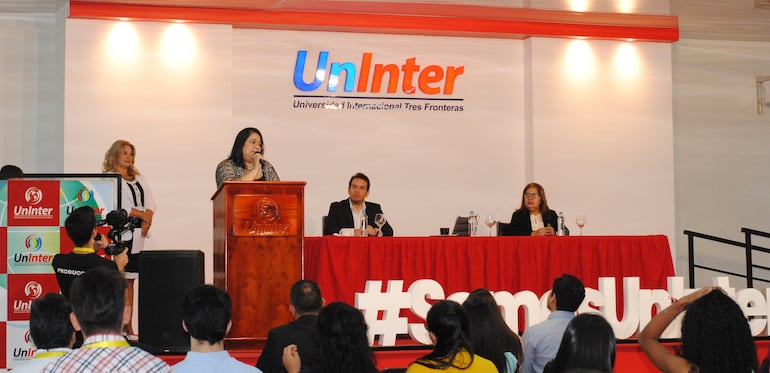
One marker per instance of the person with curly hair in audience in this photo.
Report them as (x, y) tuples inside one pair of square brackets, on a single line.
[(453, 352), (716, 337), (342, 343), (490, 336), (588, 344)]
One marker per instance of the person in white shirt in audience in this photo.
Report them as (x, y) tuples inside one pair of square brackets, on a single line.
[(541, 341)]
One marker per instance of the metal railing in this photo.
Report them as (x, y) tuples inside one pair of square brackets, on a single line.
[(747, 245)]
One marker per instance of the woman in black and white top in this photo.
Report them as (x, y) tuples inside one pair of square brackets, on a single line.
[(136, 200)]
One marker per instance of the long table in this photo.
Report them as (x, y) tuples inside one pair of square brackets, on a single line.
[(342, 265)]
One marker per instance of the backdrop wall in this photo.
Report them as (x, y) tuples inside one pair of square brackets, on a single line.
[(528, 114)]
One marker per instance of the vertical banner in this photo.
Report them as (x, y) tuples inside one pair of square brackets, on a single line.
[(32, 216)]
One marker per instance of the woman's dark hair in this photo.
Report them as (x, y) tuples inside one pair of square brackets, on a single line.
[(490, 336), (236, 153), (449, 323), (342, 342), (588, 343), (716, 336)]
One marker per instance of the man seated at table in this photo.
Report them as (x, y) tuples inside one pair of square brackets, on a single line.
[(347, 214)]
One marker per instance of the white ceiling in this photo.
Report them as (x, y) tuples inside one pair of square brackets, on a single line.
[(698, 19)]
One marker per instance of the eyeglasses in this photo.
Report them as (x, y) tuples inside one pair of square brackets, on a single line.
[(531, 195)]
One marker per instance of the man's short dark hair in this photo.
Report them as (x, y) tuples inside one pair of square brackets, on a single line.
[(80, 224), (569, 292), (360, 175), (49, 321), (98, 298), (306, 297), (206, 311)]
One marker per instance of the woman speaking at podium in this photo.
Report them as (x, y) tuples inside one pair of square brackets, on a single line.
[(136, 200), (246, 160)]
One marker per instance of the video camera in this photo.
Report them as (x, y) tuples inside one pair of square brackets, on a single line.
[(122, 230)]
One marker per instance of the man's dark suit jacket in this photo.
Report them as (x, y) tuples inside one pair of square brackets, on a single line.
[(340, 217), (301, 332), (521, 225)]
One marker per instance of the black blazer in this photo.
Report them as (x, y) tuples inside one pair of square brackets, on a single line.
[(521, 225), (340, 217), (301, 332)]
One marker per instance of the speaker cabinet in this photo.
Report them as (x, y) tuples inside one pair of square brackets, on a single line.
[(164, 279)]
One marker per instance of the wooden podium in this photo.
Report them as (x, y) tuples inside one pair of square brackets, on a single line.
[(258, 235)]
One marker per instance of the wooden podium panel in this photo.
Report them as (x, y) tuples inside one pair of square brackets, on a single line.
[(258, 237)]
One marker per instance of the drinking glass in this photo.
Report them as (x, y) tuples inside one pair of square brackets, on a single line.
[(490, 222), (379, 219), (581, 221)]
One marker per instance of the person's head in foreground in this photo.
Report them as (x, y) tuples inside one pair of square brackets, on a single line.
[(206, 315), (716, 336), (567, 293), (448, 327), (588, 343), (98, 299), (343, 344), (49, 322)]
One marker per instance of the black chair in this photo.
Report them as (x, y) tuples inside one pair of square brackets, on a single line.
[(461, 226), (394, 370), (323, 224), (502, 228)]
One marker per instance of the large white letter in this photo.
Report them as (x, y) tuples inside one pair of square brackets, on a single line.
[(419, 291)]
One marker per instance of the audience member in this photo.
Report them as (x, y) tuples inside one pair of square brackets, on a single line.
[(541, 341), (98, 299), (138, 203), (10, 171), (588, 344), (348, 213), (306, 303), (533, 218), (246, 161), (490, 336), (51, 331), (715, 336), (448, 327), (81, 229), (207, 317), (342, 343)]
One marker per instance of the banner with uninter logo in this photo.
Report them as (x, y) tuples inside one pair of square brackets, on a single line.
[(32, 215)]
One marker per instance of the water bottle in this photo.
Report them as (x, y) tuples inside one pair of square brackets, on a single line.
[(473, 220), (364, 224), (560, 224)]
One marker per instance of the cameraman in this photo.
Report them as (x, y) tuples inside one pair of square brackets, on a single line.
[(81, 229)]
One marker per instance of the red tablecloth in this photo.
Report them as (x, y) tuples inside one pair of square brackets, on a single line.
[(342, 265)]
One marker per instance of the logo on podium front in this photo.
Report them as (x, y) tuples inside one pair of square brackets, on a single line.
[(265, 215)]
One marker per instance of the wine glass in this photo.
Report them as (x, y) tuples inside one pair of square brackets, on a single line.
[(490, 222), (379, 219), (581, 221)]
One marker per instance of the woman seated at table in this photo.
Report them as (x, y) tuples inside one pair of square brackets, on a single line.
[(246, 160), (533, 218)]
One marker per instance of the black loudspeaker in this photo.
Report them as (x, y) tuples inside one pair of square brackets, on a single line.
[(164, 279)]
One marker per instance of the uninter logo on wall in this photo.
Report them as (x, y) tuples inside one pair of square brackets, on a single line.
[(371, 84), (35, 203), (23, 289), (31, 251)]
